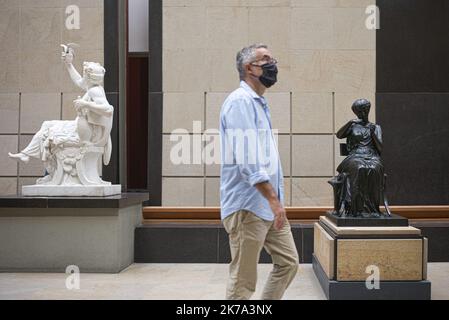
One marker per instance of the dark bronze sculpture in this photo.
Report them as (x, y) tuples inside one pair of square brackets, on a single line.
[(359, 187)]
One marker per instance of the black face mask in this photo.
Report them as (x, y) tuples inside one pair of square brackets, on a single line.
[(269, 76)]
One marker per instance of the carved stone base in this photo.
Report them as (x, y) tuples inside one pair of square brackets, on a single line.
[(71, 191), (345, 257), (357, 290)]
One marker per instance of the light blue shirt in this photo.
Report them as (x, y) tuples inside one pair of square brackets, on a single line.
[(249, 154)]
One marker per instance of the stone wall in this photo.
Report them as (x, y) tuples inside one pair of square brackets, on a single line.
[(327, 60)]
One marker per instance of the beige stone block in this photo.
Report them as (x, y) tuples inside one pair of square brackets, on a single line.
[(184, 27), (397, 259), (182, 109), (9, 113), (277, 36), (354, 71), (183, 192), (90, 34), (311, 192), (213, 170), (41, 25), (280, 111), (324, 250), (37, 108), (287, 192), (312, 155), (246, 3), (184, 3), (286, 81), (355, 3), (312, 28), (83, 3), (212, 153), (41, 68), (214, 102), (284, 147), (9, 50), (227, 27), (35, 168), (222, 75), (265, 3), (314, 3), (8, 144), (350, 30), (312, 70), (212, 192), (342, 71), (181, 157), (8, 186), (185, 70), (9, 4), (41, 3), (312, 112), (10, 71)]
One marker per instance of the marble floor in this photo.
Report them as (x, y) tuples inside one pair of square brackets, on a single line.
[(171, 282)]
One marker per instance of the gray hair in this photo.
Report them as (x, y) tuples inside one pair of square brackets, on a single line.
[(247, 55)]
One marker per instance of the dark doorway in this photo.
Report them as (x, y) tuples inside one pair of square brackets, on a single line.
[(137, 122)]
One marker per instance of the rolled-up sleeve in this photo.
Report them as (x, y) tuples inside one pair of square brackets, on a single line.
[(258, 177), (243, 141)]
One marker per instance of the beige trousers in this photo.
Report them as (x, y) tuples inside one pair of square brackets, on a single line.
[(248, 234)]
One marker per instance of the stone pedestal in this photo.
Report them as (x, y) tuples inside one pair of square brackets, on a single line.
[(345, 257), (50, 234), (71, 191)]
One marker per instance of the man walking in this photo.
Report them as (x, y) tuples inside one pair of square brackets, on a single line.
[(252, 194)]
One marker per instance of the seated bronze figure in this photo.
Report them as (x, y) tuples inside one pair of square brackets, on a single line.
[(359, 187)]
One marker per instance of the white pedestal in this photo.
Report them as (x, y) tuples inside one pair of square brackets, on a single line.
[(42, 234), (71, 191)]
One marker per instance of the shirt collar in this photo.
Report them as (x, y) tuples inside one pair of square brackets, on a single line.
[(253, 93)]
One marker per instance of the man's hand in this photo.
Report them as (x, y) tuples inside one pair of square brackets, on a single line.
[(280, 217)]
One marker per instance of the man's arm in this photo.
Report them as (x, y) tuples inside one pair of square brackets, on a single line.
[(266, 189)]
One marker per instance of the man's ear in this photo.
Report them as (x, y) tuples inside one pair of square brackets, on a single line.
[(248, 69)]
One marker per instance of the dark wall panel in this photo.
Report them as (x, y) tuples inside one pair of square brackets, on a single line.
[(137, 122), (413, 99), (413, 46), (416, 151), (156, 101), (111, 85)]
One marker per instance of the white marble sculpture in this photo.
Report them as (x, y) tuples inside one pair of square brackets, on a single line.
[(73, 151)]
